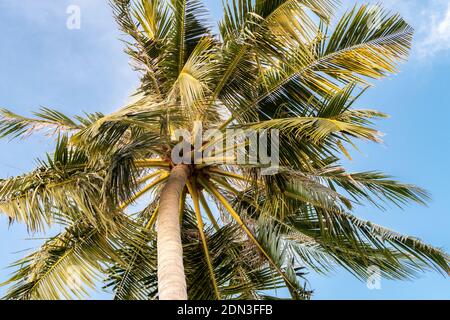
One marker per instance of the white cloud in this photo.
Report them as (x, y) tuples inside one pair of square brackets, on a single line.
[(435, 33)]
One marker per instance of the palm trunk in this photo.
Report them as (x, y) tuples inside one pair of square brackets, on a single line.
[(171, 277)]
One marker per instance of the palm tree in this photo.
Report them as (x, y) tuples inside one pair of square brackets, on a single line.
[(276, 65)]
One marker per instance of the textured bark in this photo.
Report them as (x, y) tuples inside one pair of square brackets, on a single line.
[(171, 277)]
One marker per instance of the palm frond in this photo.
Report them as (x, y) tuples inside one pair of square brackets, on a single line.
[(188, 27), (136, 278), (320, 67), (54, 122), (65, 267)]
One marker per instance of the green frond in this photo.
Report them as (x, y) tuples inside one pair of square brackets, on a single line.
[(65, 267), (356, 245), (374, 186), (53, 122), (136, 278), (320, 67), (154, 18), (195, 77), (382, 40), (269, 236), (62, 188), (314, 129), (188, 27), (323, 237)]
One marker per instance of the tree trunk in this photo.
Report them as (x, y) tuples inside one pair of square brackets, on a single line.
[(171, 277)]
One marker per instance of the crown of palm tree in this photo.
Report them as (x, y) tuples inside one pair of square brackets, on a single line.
[(275, 64)]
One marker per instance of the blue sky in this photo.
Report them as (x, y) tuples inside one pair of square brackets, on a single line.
[(42, 63)]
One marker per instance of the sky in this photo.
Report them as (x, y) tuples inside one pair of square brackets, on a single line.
[(45, 63)]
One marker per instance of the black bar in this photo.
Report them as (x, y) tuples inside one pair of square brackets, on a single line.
[(165, 310)]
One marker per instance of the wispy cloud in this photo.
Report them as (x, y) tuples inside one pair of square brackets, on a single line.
[(435, 32)]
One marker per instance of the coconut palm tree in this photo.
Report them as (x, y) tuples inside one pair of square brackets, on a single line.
[(219, 229)]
